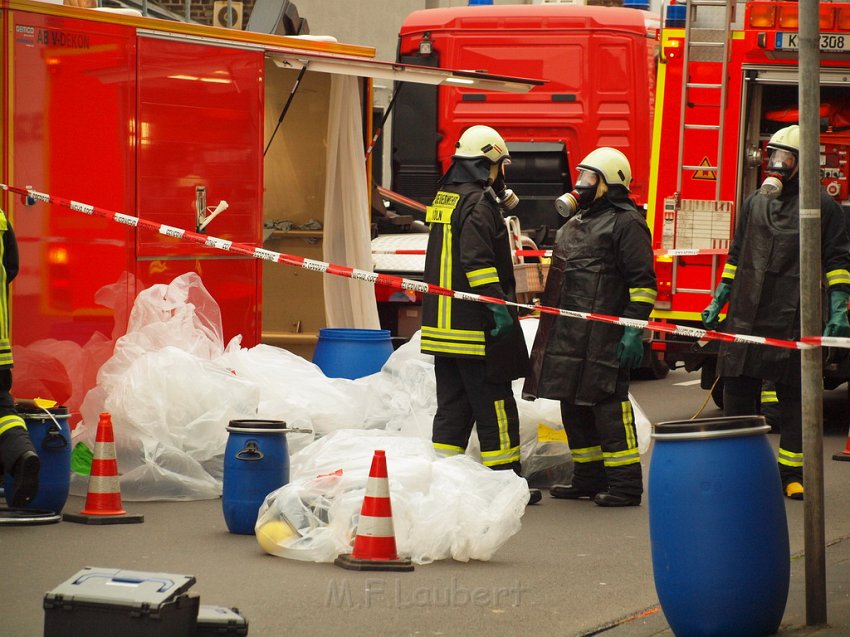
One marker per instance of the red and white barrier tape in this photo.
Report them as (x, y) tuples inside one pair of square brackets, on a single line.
[(400, 283), (548, 253)]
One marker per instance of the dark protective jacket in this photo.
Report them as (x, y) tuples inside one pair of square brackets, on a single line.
[(469, 251), (9, 260), (602, 263), (763, 269)]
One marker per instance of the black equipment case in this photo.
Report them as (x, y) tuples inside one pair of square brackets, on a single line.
[(117, 603)]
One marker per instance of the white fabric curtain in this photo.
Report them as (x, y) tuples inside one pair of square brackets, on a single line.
[(347, 239)]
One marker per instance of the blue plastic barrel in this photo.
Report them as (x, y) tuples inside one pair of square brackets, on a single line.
[(352, 353), (717, 525), (51, 437), (256, 462), (636, 4)]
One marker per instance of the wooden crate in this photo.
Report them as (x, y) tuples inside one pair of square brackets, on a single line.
[(530, 277)]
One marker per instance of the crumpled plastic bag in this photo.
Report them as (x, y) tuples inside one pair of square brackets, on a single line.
[(294, 521), (172, 387), (164, 393), (442, 507)]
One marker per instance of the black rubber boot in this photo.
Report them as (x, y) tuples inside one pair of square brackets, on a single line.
[(608, 499), (25, 473), (569, 492), (534, 496), (21, 461)]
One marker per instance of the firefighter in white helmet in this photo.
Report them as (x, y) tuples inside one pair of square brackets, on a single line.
[(478, 348), (602, 263), (761, 281)]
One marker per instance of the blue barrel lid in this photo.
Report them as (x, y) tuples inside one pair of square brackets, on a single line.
[(721, 427), (636, 4), (29, 411), (353, 334), (271, 425)]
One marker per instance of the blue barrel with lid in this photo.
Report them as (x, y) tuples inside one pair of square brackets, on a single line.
[(352, 353), (718, 530), (256, 462), (50, 433)]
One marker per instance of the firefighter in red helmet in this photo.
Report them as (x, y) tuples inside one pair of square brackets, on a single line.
[(478, 348)]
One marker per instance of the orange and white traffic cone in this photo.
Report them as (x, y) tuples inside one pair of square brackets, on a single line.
[(843, 455), (374, 545), (103, 502)]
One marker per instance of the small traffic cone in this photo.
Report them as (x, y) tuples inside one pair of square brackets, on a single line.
[(843, 455), (374, 545), (103, 502)]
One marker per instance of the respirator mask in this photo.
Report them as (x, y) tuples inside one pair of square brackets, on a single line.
[(781, 164), (505, 196), (581, 197)]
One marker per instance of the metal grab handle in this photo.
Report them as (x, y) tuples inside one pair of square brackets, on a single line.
[(51, 441), (250, 452)]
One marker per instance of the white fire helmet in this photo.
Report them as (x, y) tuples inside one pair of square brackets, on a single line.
[(482, 141), (605, 162), (611, 164), (783, 151)]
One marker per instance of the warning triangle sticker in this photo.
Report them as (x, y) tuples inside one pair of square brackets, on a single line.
[(705, 175)]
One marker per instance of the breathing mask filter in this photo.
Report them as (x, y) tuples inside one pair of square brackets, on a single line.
[(783, 149), (781, 164), (506, 197), (584, 194)]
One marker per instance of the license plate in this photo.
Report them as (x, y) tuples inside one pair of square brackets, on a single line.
[(828, 42)]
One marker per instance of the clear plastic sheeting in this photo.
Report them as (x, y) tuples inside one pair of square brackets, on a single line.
[(165, 394), (442, 508), (172, 387)]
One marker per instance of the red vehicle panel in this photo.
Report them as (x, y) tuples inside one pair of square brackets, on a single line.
[(599, 67), (693, 197)]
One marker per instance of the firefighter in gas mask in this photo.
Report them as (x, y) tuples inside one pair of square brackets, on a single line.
[(478, 348), (761, 281), (602, 263)]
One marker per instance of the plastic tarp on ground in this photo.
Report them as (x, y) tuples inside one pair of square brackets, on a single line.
[(172, 386), (442, 507)]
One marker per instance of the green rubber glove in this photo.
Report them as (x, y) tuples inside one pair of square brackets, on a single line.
[(81, 459), (838, 325), (630, 348), (504, 321), (710, 314)]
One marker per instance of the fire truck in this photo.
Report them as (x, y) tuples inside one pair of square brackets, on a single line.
[(599, 64), (161, 121), (727, 80)]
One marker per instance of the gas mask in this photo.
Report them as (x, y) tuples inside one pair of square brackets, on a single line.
[(584, 194), (506, 197), (781, 165)]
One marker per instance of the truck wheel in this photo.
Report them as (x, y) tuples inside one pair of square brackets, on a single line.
[(656, 370)]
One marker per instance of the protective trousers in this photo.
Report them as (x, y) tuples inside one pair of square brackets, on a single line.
[(465, 398), (14, 438), (741, 397), (603, 444)]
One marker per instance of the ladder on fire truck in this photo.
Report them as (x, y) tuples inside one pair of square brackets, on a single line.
[(708, 34), (708, 30)]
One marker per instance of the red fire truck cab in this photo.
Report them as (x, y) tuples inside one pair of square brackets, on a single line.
[(599, 67)]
